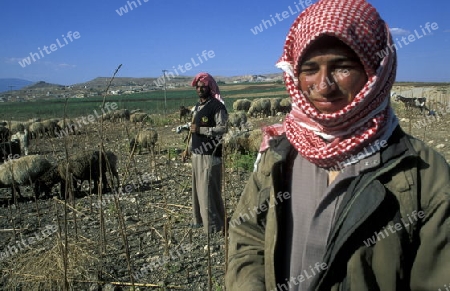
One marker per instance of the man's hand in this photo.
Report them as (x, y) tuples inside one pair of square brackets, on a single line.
[(194, 128), (184, 127)]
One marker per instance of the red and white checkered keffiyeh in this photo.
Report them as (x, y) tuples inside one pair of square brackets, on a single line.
[(209, 81), (327, 139)]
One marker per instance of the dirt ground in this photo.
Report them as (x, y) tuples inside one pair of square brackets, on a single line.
[(97, 245)]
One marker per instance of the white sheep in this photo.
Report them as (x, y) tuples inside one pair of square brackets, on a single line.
[(24, 140), (259, 107), (36, 129), (16, 126), (274, 106), (237, 119), (22, 171), (241, 104), (51, 127), (244, 142)]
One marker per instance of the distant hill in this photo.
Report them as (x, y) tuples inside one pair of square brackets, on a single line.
[(42, 85), (16, 84), (102, 82)]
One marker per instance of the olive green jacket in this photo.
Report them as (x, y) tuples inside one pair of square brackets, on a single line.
[(409, 194)]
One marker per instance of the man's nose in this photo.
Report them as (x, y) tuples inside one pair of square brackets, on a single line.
[(325, 82)]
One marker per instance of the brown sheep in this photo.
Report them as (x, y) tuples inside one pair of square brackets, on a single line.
[(185, 113), (83, 166), (147, 139)]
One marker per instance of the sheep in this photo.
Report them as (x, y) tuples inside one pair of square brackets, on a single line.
[(138, 117), (9, 150), (185, 112), (24, 140), (254, 140), (108, 115), (68, 126), (51, 127), (285, 101), (86, 166), (121, 115), (16, 126), (22, 171), (135, 111), (236, 141), (259, 107), (244, 142), (45, 182), (147, 139), (111, 167), (285, 105), (36, 129), (81, 166), (241, 104), (237, 119), (274, 106)]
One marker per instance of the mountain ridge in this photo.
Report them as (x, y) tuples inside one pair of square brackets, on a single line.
[(9, 84)]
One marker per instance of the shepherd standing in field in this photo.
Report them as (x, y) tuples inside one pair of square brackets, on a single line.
[(209, 124), (341, 197)]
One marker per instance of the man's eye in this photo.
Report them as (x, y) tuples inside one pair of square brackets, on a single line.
[(342, 69), (346, 67), (308, 71)]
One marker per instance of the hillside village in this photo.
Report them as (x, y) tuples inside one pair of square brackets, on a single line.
[(120, 85)]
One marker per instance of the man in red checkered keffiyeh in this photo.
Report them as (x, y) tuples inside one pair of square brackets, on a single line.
[(209, 81), (332, 181), (341, 198), (327, 139)]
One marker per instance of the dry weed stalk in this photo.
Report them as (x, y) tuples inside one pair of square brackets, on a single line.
[(102, 247), (43, 268), (124, 238)]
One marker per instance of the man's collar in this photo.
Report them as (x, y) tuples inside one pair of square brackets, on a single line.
[(204, 101)]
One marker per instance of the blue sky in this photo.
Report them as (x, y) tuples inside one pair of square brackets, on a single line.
[(169, 34)]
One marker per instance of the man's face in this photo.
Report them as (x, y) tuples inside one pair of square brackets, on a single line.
[(203, 91), (331, 75)]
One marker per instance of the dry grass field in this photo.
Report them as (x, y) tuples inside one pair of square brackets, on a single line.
[(53, 244)]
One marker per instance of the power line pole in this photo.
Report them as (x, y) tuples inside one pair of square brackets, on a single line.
[(165, 92), (10, 89)]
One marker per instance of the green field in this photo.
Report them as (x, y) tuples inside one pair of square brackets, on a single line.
[(152, 102)]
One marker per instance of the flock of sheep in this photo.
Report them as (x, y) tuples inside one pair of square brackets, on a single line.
[(239, 138), (17, 168), (41, 174), (243, 108)]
